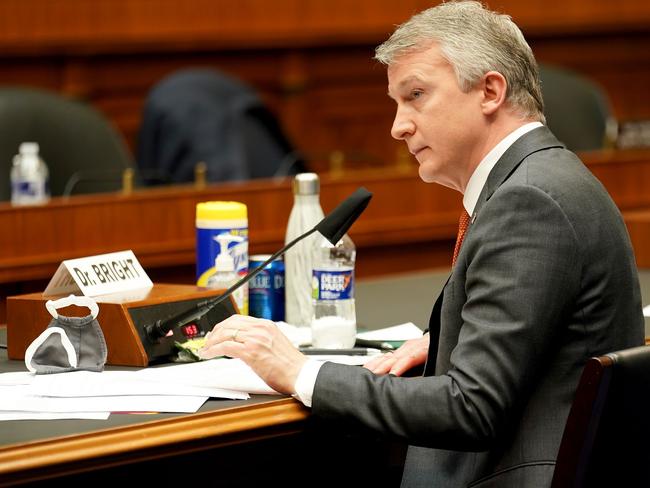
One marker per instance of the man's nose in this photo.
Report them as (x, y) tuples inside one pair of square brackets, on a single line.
[(402, 126)]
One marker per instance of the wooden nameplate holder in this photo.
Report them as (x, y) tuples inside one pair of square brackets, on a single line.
[(123, 318)]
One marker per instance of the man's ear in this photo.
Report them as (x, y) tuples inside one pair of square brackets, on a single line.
[(494, 86)]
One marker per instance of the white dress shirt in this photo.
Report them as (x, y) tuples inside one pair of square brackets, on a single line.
[(306, 380)]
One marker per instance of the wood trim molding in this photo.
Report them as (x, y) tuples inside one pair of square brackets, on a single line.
[(82, 27), (158, 224), (148, 440)]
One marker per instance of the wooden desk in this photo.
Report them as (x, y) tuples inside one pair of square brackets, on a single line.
[(149, 440), (228, 442), (33, 450)]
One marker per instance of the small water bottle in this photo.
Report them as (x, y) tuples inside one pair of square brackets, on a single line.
[(305, 214), (334, 322), (29, 176)]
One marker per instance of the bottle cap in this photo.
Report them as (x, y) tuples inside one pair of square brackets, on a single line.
[(221, 211), (306, 184), (28, 148)]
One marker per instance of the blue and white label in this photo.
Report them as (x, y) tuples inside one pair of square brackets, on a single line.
[(207, 250), (28, 191), (266, 281), (333, 284)]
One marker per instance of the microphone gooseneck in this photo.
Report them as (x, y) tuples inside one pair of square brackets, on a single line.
[(332, 227)]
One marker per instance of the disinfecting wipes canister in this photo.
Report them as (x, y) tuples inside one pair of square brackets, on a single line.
[(212, 219)]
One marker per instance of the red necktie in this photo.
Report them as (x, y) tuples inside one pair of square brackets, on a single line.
[(463, 223)]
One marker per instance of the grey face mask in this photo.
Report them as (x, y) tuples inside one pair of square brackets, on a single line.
[(68, 343)]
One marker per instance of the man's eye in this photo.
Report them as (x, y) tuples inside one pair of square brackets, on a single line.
[(416, 94)]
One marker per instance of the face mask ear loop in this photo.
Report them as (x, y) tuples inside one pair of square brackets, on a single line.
[(80, 301), (67, 345)]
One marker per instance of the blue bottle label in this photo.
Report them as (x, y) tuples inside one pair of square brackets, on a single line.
[(333, 285), (208, 248)]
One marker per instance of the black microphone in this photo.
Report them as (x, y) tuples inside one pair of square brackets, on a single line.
[(332, 227)]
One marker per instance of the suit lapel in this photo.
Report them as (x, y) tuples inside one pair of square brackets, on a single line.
[(536, 140), (434, 333)]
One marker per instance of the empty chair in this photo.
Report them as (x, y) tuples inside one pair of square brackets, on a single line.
[(605, 440), (84, 153), (577, 110), (203, 115)]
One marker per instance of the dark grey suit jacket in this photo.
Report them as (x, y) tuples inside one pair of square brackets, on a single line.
[(545, 279)]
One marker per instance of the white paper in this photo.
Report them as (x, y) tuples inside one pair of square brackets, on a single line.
[(230, 374), (181, 388), (121, 383), (16, 378), (402, 332), (299, 336), (17, 399)]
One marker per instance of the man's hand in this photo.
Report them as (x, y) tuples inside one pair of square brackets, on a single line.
[(411, 354), (261, 345)]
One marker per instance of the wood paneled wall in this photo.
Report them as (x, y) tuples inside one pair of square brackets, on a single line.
[(408, 226), (310, 59)]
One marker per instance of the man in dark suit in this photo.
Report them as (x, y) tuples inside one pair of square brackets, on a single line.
[(545, 276)]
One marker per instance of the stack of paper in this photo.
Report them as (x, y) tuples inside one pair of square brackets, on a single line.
[(179, 388), (396, 333), (83, 394), (301, 336)]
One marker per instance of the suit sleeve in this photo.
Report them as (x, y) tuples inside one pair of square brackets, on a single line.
[(521, 271)]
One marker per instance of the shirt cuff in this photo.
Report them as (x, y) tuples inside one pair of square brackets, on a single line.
[(306, 381)]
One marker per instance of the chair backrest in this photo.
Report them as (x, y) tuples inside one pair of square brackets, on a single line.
[(577, 110), (607, 435), (203, 115), (76, 141)]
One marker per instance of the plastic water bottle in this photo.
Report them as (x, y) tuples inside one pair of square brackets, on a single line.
[(334, 323), (305, 214), (29, 176)]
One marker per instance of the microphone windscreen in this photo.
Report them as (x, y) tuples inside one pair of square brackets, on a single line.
[(339, 220)]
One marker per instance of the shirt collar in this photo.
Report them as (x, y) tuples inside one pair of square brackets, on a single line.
[(480, 175)]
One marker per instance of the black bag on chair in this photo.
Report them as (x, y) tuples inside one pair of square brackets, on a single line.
[(202, 115)]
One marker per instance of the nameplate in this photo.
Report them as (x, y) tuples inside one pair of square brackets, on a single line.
[(99, 275)]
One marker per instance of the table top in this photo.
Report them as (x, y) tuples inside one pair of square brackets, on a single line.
[(28, 446)]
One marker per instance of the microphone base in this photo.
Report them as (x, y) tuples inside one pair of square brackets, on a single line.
[(124, 319)]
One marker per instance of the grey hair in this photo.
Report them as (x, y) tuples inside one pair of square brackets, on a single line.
[(473, 40)]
